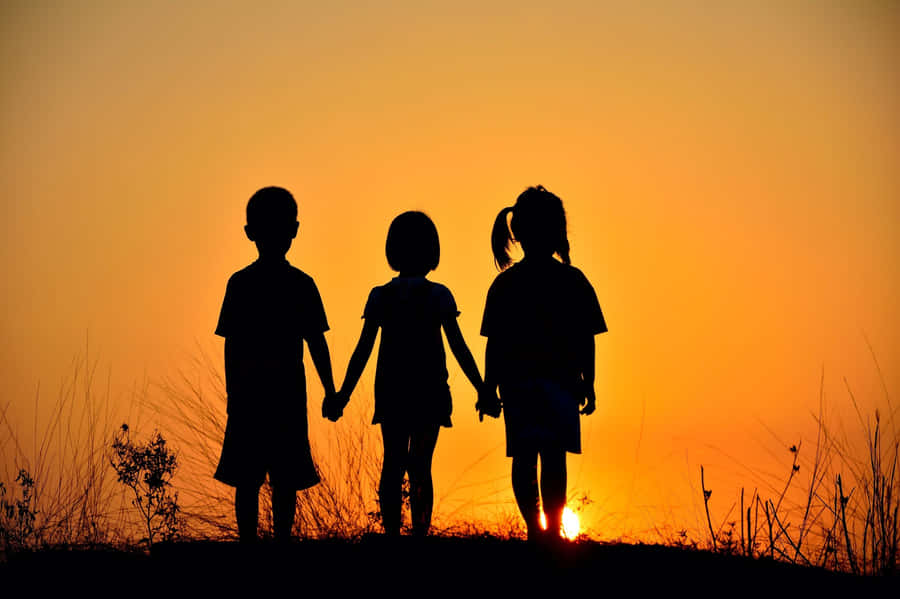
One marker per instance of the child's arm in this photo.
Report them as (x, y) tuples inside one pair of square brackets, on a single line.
[(488, 401), (490, 378), (359, 358), (231, 359), (588, 354), (318, 351), (487, 396), (461, 353)]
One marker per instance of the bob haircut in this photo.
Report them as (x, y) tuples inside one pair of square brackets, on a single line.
[(412, 245), (271, 206)]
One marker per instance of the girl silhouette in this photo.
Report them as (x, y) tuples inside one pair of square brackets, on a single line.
[(540, 319), (412, 397)]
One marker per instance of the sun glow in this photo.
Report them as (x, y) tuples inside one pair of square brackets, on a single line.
[(571, 525)]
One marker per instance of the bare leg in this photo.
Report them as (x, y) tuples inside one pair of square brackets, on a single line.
[(525, 488), (246, 508), (284, 505), (393, 468), (553, 488), (421, 453)]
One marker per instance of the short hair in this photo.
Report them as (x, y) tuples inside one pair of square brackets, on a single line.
[(412, 244), (271, 205)]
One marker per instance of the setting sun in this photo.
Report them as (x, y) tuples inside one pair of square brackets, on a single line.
[(571, 525)]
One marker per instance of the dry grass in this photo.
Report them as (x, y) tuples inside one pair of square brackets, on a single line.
[(837, 509), (72, 498), (192, 406), (836, 506)]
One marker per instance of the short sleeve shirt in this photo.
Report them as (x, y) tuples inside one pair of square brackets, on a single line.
[(268, 310), (538, 310), (411, 357)]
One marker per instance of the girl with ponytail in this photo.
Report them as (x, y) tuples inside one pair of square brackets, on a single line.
[(540, 319)]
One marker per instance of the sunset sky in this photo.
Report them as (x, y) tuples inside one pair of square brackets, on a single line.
[(729, 169)]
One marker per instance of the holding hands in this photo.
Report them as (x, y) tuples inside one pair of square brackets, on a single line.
[(488, 402), (333, 406)]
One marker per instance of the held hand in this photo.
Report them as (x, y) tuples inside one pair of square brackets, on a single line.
[(488, 403), (341, 400), (333, 406)]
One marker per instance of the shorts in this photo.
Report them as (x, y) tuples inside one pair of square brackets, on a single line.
[(540, 414), (255, 446)]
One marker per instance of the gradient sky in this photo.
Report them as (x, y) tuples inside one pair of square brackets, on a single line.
[(729, 171)]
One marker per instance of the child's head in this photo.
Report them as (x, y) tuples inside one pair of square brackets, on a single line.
[(412, 245), (538, 223), (272, 221)]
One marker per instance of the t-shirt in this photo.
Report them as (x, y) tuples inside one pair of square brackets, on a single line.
[(269, 308), (412, 364), (538, 310)]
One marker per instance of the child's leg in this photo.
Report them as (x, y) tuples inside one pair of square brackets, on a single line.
[(246, 508), (525, 488), (284, 505), (421, 485), (390, 488), (553, 488)]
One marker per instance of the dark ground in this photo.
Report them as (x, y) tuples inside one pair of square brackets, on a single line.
[(408, 567)]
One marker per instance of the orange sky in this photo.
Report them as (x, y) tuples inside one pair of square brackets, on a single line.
[(729, 173)]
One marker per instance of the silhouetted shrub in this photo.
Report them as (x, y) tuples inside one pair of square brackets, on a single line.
[(147, 469)]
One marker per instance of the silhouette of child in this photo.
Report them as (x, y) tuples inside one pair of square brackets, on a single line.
[(540, 318), (412, 397), (270, 308)]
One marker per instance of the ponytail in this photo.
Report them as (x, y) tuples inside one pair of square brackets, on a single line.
[(501, 236), (539, 221)]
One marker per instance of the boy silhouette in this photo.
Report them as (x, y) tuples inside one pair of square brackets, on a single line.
[(270, 308)]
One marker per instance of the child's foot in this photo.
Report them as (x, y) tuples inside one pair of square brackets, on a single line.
[(248, 539), (536, 534), (544, 538)]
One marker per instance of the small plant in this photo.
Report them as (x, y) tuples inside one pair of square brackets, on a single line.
[(17, 517), (147, 469)]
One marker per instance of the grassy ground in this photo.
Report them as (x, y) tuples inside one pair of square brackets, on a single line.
[(473, 566), (833, 524)]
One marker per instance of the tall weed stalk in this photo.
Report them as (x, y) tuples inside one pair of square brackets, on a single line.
[(843, 517), (60, 481)]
